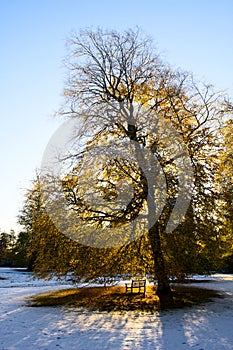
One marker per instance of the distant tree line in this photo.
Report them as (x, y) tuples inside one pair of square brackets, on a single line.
[(14, 249)]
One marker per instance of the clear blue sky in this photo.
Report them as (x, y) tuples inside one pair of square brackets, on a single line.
[(195, 35)]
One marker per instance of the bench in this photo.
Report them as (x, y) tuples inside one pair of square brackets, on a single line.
[(138, 285)]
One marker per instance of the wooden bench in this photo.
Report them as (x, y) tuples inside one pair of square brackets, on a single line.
[(138, 285)]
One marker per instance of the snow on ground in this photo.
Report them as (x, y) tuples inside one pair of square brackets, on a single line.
[(205, 327)]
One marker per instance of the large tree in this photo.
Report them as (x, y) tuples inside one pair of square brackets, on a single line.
[(164, 126)]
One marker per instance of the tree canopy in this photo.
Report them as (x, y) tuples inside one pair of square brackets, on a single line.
[(139, 183)]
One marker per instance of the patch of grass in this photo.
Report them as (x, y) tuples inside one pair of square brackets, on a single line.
[(189, 296), (115, 299)]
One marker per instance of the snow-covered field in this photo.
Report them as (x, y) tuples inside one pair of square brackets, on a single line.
[(206, 327)]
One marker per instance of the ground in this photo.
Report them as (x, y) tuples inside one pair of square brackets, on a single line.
[(203, 327)]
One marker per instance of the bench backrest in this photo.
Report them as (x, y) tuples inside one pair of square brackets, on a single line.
[(139, 283)]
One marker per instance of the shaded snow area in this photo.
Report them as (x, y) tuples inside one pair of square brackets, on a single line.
[(205, 327)]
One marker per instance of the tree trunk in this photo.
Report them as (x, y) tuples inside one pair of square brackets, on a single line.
[(163, 285), (163, 288)]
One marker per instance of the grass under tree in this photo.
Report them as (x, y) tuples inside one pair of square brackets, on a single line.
[(114, 298)]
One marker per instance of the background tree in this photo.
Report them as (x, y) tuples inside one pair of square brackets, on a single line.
[(112, 78), (3, 244), (224, 176), (13, 249), (7, 243)]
